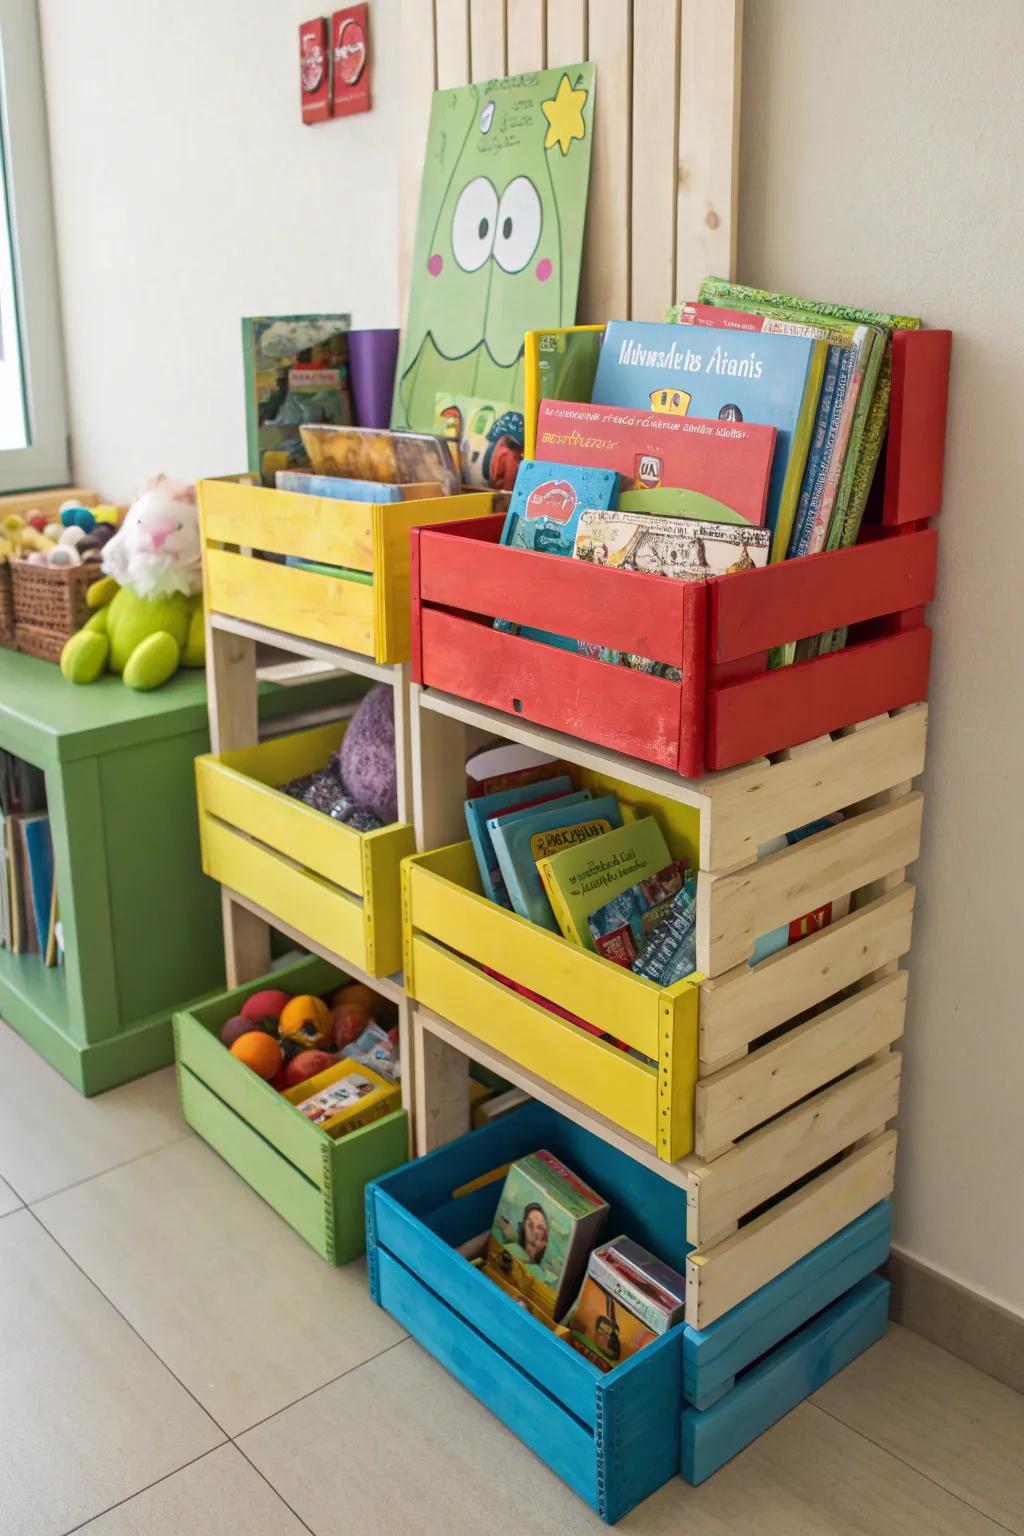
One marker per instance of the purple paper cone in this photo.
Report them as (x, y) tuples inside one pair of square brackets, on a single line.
[(372, 357)]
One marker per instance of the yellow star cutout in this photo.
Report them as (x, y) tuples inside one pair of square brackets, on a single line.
[(564, 113)]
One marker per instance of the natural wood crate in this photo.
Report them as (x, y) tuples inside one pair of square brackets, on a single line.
[(771, 1085), (614, 1438), (241, 521), (727, 706), (314, 1181), (337, 885)]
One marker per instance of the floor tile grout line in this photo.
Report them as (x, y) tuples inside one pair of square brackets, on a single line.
[(911, 1466), (322, 1388), (275, 1491), (188, 1135), (127, 1322), (81, 1526)]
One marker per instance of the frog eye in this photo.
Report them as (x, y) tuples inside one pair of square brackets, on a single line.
[(519, 224), (473, 224)]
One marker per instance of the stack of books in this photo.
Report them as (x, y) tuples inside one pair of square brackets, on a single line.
[(29, 922)]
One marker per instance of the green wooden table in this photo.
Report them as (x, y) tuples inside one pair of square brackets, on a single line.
[(142, 924)]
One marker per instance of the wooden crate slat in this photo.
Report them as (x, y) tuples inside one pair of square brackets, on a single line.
[(751, 1000), (303, 602), (917, 426), (753, 611), (288, 523), (734, 910), (746, 1094), (722, 1277), (751, 804), (762, 714)]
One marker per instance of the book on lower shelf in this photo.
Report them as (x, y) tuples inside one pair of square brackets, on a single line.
[(29, 922)]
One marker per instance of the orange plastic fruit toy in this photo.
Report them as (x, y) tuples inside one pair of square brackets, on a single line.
[(354, 992), (306, 1020), (260, 1052)]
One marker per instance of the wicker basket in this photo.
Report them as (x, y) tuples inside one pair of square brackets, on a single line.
[(49, 605), (6, 606)]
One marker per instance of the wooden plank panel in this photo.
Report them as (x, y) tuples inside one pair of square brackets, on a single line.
[(566, 24), (302, 602), (751, 612), (288, 523), (749, 805), (615, 1084), (451, 42), (719, 1279), (752, 1000), (656, 53), (709, 114), (916, 440), (793, 704), (605, 278), (630, 712), (606, 995), (733, 910), (488, 57), (800, 1140), (418, 80), (751, 1091), (526, 33)]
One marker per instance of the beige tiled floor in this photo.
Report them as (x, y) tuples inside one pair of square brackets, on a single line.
[(174, 1361)]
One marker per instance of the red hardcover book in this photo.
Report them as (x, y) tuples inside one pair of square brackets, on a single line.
[(315, 71), (729, 461), (350, 51)]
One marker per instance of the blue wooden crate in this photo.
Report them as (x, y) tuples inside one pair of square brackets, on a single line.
[(613, 1438)]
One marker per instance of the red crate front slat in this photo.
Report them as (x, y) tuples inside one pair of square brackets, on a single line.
[(628, 711), (755, 610), (644, 615), (915, 447)]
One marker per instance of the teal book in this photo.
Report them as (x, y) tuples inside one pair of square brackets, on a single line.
[(748, 376), (336, 488), (502, 801), (525, 837), (38, 869)]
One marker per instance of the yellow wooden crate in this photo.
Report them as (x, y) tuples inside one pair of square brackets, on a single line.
[(337, 885), (240, 522)]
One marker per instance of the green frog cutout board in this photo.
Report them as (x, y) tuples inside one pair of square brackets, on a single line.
[(499, 236)]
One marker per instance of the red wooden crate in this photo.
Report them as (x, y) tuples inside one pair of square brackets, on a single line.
[(728, 707)]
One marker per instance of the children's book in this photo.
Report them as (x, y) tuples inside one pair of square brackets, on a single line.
[(670, 546), (525, 837), (581, 879), (774, 380), (336, 488), (671, 951), (296, 371), (651, 1290), (51, 956), (542, 516), (392, 458), (729, 461), (621, 928), (811, 922), (38, 864), (481, 807), (673, 501), (546, 1222)]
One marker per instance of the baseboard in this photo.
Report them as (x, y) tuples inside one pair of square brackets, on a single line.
[(969, 1326)]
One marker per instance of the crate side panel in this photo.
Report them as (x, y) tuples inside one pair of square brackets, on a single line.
[(288, 523), (353, 1161), (307, 603)]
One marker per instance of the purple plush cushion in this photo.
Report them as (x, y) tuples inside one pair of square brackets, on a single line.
[(367, 756)]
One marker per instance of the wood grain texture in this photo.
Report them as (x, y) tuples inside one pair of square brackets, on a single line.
[(451, 42), (708, 146), (417, 64), (527, 36), (487, 37), (732, 910), (566, 25), (605, 276), (441, 1079), (656, 58)]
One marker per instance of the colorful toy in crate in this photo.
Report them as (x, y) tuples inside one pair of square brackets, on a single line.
[(75, 538), (148, 618), (358, 785), (295, 1041)]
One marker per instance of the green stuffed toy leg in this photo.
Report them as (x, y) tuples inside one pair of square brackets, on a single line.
[(152, 662)]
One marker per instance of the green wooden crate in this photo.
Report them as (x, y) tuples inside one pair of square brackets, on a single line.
[(314, 1181)]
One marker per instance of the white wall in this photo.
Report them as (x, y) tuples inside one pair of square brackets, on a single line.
[(188, 193), (880, 159), (881, 163)]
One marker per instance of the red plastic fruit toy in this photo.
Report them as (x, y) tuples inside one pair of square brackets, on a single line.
[(305, 1065), (348, 1021), (264, 1005), (259, 1052), (354, 992)]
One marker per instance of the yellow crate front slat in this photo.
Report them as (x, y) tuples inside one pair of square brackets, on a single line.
[(308, 903), (288, 523), (307, 603), (391, 555), (604, 994), (613, 1083)]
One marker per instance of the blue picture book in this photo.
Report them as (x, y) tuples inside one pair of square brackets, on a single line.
[(478, 810), (526, 836), (752, 376), (39, 862), (543, 514), (337, 489)]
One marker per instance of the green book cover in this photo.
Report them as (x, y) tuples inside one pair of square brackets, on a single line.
[(672, 501), (581, 879)]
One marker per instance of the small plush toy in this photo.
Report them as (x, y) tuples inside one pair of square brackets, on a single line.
[(366, 757), (148, 617)]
